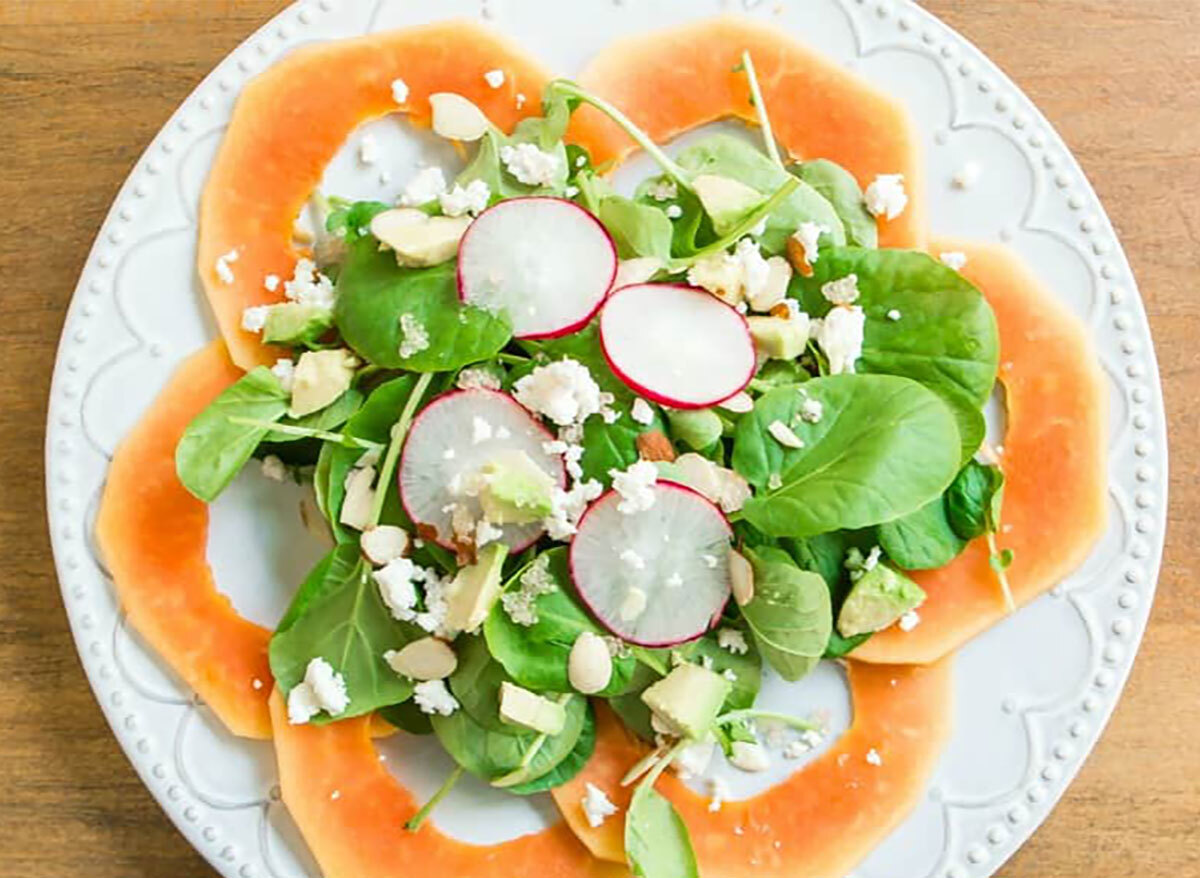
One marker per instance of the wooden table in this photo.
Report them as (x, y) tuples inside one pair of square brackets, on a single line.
[(84, 85)]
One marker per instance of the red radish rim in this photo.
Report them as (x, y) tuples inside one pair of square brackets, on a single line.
[(449, 544), (671, 485), (653, 395), (574, 327)]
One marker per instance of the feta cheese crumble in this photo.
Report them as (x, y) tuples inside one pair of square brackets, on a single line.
[(432, 697), (636, 486), (396, 588), (808, 236), (718, 791), (323, 688), (414, 338), (840, 336), (756, 273), (886, 196), (530, 165), (811, 410), (224, 272), (271, 282), (597, 807), (254, 318), (909, 621), (494, 78), (893, 315), (642, 412), (399, 91), (567, 507), (873, 757), (694, 759), (674, 212), (843, 291), (472, 200), (425, 187), (955, 259), (784, 435), (966, 176), (749, 757), (733, 640), (368, 150), (562, 391), (309, 286), (662, 190)]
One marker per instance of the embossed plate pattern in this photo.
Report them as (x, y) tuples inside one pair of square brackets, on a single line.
[(1033, 693)]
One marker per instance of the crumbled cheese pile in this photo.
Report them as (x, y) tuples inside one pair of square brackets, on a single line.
[(397, 582), (433, 697), (322, 688), (563, 392), (636, 486), (597, 807), (530, 165), (886, 197)]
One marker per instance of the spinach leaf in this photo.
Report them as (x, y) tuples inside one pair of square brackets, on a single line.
[(746, 669), (946, 337), (637, 229), (407, 717), (727, 156), (345, 622), (536, 656), (921, 540), (346, 219), (545, 132), (213, 450), (571, 765), (657, 844), (476, 683), (973, 500), (884, 446), (373, 421), (329, 418), (778, 373), (375, 295), (330, 572), (692, 229), (841, 190), (826, 554), (790, 616)]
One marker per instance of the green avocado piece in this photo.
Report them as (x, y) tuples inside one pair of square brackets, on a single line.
[(475, 588), (292, 323), (880, 597), (688, 699), (725, 200), (516, 490), (779, 337), (529, 710), (695, 428)]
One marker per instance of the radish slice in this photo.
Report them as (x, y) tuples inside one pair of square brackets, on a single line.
[(448, 444), (656, 577), (546, 262), (678, 345)]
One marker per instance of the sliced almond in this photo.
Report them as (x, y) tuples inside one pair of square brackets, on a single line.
[(739, 403), (456, 118), (419, 240), (589, 666), (384, 543), (636, 271), (741, 576), (360, 497), (425, 659), (653, 445), (796, 255), (773, 291)]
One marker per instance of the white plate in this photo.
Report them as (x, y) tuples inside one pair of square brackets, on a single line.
[(1033, 693)]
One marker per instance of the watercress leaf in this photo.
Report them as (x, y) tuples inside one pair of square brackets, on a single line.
[(329, 418), (884, 447), (726, 156), (536, 656), (946, 337), (571, 764), (348, 625), (840, 189), (790, 616), (657, 844), (407, 717), (213, 449), (969, 500), (374, 293), (921, 540)]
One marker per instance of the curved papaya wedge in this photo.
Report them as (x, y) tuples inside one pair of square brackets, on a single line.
[(1054, 461), (289, 123)]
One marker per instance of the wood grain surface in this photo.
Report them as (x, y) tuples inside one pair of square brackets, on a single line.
[(85, 84)]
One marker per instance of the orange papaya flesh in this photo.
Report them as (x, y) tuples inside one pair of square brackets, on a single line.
[(289, 123), (153, 536), (822, 820), (1054, 460), (359, 833), (671, 81)]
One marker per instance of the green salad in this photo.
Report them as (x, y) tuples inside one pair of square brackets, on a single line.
[(572, 445)]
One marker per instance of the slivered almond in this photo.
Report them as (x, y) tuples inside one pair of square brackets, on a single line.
[(653, 446)]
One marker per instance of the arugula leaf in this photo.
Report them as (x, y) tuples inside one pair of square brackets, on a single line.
[(973, 500), (922, 540), (884, 447), (790, 616), (329, 418), (212, 449), (374, 294), (345, 622), (657, 844), (726, 156), (946, 337), (840, 189), (536, 656)]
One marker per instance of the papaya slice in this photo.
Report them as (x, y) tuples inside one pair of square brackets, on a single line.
[(671, 81), (822, 820), (1054, 461), (153, 535), (359, 832), (289, 123)]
